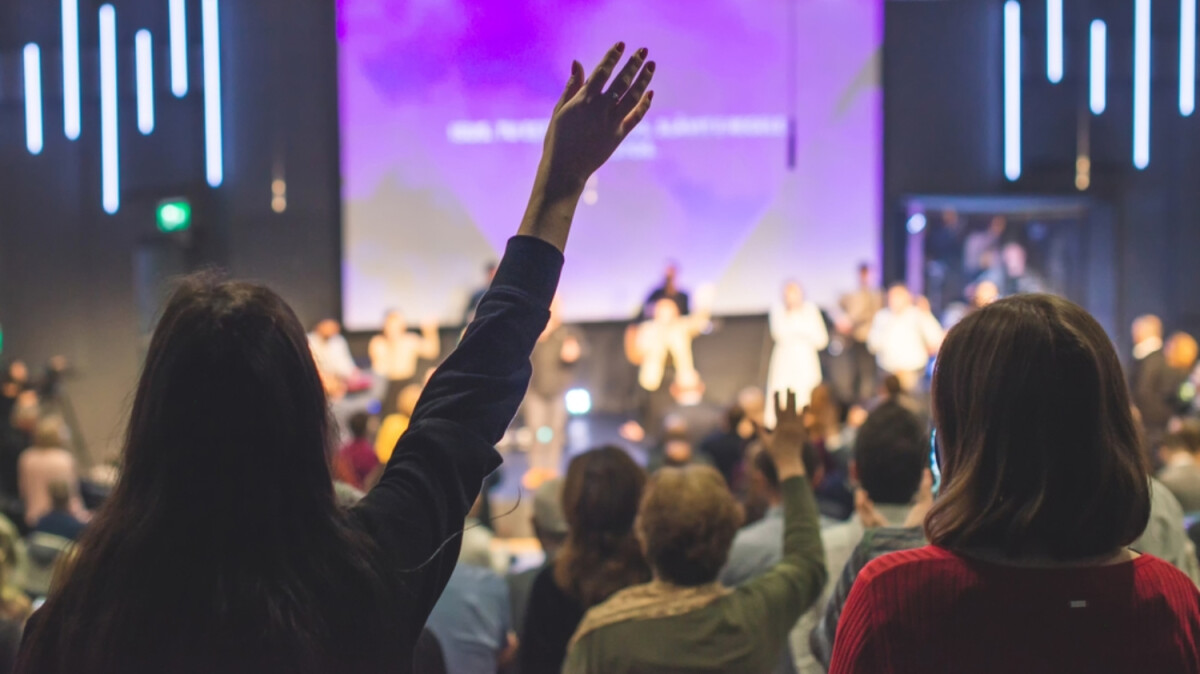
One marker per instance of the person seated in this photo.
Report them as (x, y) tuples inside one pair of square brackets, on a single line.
[(471, 620), (727, 445), (396, 422), (60, 521), (601, 556), (676, 449), (396, 352), (356, 460), (550, 528), (890, 457), (685, 620), (1044, 487), (221, 548), (1181, 470), (44, 463)]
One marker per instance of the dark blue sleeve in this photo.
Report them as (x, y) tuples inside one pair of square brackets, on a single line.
[(417, 510)]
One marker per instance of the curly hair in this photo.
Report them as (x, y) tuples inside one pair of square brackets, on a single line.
[(600, 499), (687, 522)]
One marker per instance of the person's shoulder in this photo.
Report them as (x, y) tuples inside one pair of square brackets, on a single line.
[(905, 564), (1151, 572)]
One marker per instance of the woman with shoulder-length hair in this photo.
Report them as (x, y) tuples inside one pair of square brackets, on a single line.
[(1044, 485), (601, 555), (685, 620), (221, 548)]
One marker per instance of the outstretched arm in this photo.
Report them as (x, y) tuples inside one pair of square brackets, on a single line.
[(438, 466)]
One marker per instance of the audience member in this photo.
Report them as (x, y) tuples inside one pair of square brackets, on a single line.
[(332, 354), (395, 354), (685, 620), (890, 455), (15, 606), (727, 445), (44, 463), (1150, 378), (1044, 485), (798, 328), (600, 556), (396, 422), (1165, 535), (224, 520), (471, 620), (1181, 471), (1181, 352), (60, 521), (904, 336), (357, 456), (550, 529), (16, 434)]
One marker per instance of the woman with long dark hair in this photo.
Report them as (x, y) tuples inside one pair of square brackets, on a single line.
[(1044, 487), (601, 555), (221, 547)]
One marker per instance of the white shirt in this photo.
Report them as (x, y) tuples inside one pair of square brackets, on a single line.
[(333, 355), (904, 342), (1146, 347)]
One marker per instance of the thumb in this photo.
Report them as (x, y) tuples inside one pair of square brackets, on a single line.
[(574, 84)]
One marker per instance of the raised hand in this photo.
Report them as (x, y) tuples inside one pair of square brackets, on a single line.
[(588, 124), (589, 121), (786, 443)]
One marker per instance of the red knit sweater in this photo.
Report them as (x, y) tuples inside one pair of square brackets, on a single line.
[(929, 610)]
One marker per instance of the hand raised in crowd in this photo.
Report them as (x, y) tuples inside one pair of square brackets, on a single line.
[(588, 124), (590, 121), (786, 443)]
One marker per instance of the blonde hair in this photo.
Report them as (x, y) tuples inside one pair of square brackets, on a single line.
[(49, 433), (1181, 351)]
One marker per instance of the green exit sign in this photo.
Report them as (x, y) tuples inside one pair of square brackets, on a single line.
[(173, 215)]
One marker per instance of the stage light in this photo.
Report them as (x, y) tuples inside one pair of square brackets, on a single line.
[(1141, 84), (177, 17), (1187, 57), (1012, 90), (1054, 40), (173, 215), (211, 27), (579, 401), (33, 98), (1098, 94), (144, 57), (916, 223), (110, 174), (70, 57)]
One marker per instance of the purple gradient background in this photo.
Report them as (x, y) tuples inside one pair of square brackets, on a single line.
[(422, 214)]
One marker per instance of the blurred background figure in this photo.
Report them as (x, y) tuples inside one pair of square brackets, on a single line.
[(669, 290), (396, 353), (545, 406), (904, 336), (1150, 378), (858, 314), (798, 329)]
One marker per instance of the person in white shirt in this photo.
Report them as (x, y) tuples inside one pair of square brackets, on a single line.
[(332, 355), (799, 333), (396, 353), (904, 336)]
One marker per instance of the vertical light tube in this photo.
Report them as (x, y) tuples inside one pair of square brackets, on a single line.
[(144, 57), (1012, 89), (213, 158), (1054, 40), (1187, 57), (177, 24), (33, 98), (1098, 90), (70, 58), (1141, 84), (110, 178)]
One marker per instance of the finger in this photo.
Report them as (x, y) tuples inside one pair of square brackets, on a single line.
[(763, 437), (574, 84), (633, 118), (634, 94), (595, 83), (791, 403), (625, 78), (778, 407)]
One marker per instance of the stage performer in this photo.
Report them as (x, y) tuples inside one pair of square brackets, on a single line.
[(396, 352), (545, 408), (669, 290), (904, 337), (661, 347), (798, 329)]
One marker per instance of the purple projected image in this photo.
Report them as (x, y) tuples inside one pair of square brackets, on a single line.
[(443, 108)]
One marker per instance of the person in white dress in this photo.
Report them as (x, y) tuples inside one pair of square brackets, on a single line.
[(799, 333)]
